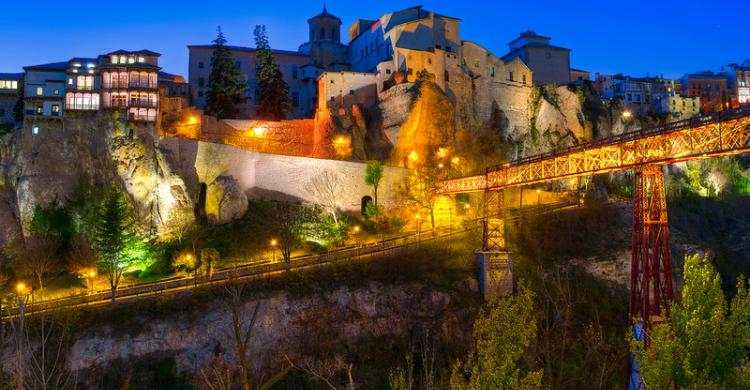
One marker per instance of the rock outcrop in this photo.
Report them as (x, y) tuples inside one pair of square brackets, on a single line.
[(295, 326)]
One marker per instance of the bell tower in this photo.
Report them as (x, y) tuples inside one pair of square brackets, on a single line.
[(325, 27)]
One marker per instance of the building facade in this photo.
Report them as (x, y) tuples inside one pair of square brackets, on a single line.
[(10, 84), (712, 89), (122, 80), (550, 63), (638, 94), (738, 82), (676, 106)]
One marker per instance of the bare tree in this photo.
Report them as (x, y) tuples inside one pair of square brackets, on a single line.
[(81, 257), (38, 259), (325, 370), (242, 332), (326, 189), (217, 374), (421, 189)]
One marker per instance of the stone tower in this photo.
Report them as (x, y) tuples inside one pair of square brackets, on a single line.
[(325, 27)]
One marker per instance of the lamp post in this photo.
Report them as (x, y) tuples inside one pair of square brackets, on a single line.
[(273, 249), (356, 241), (91, 275), (537, 197), (23, 293)]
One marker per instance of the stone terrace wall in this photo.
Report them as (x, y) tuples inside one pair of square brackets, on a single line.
[(278, 177), (290, 137)]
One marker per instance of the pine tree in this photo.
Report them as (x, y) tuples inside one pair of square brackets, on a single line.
[(273, 91), (114, 237), (226, 83)]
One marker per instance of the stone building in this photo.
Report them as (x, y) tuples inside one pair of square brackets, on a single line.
[(121, 80), (300, 69), (676, 106), (636, 93), (347, 88), (9, 92), (550, 63), (738, 79), (579, 75), (712, 88)]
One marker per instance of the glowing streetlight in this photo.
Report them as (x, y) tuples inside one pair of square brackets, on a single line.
[(538, 192), (455, 160), (273, 249), (21, 288), (192, 120), (91, 275), (627, 114), (259, 131), (441, 165)]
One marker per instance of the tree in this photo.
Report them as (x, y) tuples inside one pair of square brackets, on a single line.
[(421, 189), (117, 245), (226, 83), (38, 260), (502, 332), (188, 262), (288, 226), (81, 258), (326, 189), (704, 345), (209, 256), (242, 332), (373, 175), (274, 92)]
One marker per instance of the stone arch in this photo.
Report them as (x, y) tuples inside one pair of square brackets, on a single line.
[(367, 199)]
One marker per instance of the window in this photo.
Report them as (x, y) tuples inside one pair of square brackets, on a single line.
[(630, 97), (131, 60), (447, 77), (8, 84), (56, 92), (295, 71), (510, 75), (35, 130), (71, 81), (55, 110), (523, 78), (141, 59), (492, 71), (387, 71), (200, 65), (114, 60), (351, 92), (39, 91)]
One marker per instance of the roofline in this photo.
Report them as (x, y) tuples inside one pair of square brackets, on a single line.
[(252, 49)]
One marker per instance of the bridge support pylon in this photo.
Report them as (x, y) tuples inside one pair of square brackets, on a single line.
[(651, 268), (493, 261)]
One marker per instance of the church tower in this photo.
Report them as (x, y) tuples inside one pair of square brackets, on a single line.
[(325, 27)]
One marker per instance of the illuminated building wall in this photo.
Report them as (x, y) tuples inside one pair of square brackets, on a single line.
[(738, 78), (710, 87), (9, 89)]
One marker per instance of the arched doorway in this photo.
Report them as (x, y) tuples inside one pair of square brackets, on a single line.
[(365, 201)]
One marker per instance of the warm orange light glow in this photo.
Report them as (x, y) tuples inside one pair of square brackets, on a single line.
[(440, 165), (442, 152), (413, 156), (466, 205), (92, 274), (455, 160), (259, 131), (417, 216), (356, 229), (274, 242), (21, 287), (193, 120), (626, 114), (342, 145), (538, 191), (189, 256)]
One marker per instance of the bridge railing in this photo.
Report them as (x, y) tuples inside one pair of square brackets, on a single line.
[(700, 120)]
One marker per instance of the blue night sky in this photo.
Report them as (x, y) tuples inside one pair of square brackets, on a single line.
[(634, 37)]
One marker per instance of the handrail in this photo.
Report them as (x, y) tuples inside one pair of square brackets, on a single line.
[(700, 120)]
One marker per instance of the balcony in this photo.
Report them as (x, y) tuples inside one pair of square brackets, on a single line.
[(132, 84), (143, 103)]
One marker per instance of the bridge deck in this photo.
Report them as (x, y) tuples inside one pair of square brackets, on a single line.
[(720, 134)]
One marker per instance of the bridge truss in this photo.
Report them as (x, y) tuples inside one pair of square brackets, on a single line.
[(645, 152)]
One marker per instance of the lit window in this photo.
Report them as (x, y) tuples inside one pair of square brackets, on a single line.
[(141, 59), (35, 130), (123, 60), (70, 81), (56, 92), (55, 110), (77, 64), (39, 91), (90, 66), (131, 60), (115, 60)]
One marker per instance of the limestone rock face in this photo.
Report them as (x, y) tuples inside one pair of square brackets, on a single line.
[(45, 169), (225, 200), (286, 325)]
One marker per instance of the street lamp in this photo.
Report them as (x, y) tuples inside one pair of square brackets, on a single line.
[(356, 236), (273, 249), (91, 275), (22, 291), (537, 197), (627, 114)]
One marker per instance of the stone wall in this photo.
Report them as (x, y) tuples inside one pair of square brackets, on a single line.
[(275, 177)]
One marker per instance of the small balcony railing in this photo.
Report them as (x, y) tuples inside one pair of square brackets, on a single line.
[(143, 103)]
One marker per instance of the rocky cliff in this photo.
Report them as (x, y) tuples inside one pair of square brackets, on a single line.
[(44, 169), (296, 326)]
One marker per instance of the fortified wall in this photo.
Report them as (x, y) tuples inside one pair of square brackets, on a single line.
[(231, 175)]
